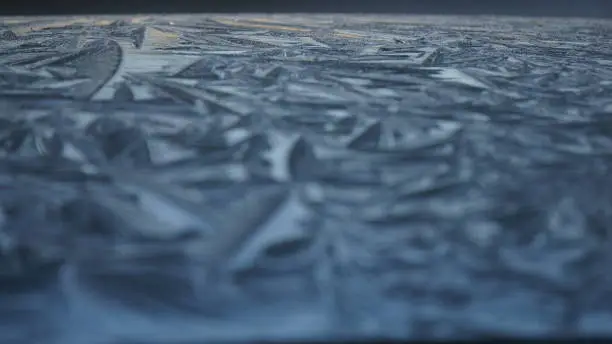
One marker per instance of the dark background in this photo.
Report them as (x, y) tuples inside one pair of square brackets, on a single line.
[(562, 8)]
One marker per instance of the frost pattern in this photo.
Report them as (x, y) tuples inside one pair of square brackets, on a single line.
[(185, 178)]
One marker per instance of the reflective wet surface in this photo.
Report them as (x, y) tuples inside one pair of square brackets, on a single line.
[(238, 178)]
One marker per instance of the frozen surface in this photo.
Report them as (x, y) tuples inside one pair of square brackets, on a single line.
[(199, 179)]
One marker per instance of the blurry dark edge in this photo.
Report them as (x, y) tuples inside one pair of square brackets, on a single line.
[(529, 8), (568, 340), (445, 341)]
